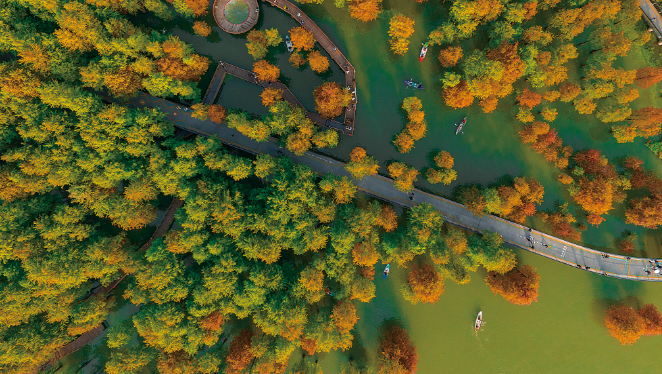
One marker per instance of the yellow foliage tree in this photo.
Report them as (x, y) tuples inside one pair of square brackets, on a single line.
[(201, 28), (265, 71), (400, 29), (317, 62)]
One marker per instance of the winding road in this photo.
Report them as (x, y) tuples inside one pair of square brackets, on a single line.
[(457, 214)]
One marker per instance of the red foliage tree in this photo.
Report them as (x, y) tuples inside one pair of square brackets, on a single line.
[(519, 286), (397, 347), (624, 324), (239, 354), (652, 319)]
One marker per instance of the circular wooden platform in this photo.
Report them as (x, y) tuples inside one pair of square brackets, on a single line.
[(236, 16)]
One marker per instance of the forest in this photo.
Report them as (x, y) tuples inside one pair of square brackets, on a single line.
[(268, 259)]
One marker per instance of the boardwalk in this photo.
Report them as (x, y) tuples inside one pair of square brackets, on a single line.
[(330, 48), (545, 245), (84, 339), (225, 68)]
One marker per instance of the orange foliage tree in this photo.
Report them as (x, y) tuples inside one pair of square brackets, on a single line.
[(569, 91), (400, 29), (361, 164), (216, 113), (344, 316), (239, 353), (624, 324), (364, 254), (302, 39), (646, 121), (652, 320), (519, 286), (562, 222), (201, 28), (528, 99), (365, 10), (458, 96), (317, 62), (265, 71), (424, 285), (403, 175), (398, 348), (546, 142), (271, 95), (450, 56), (648, 76), (331, 99)]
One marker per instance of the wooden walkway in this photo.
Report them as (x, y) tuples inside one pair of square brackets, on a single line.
[(235, 28), (225, 68), (87, 337)]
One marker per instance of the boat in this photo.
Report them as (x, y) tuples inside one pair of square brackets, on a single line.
[(461, 126), (288, 43), (328, 291), (479, 321), (424, 51), (387, 269), (413, 84)]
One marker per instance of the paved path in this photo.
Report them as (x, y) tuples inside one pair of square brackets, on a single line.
[(653, 17), (330, 48), (219, 10), (225, 68), (545, 245)]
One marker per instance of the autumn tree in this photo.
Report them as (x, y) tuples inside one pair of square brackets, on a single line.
[(317, 62), (361, 164), (201, 28), (365, 10), (458, 96), (265, 71), (519, 286), (239, 354), (528, 99), (404, 176), (331, 99), (652, 320), (270, 95), (398, 349), (302, 39), (562, 221), (623, 323), (400, 29), (344, 316), (648, 76), (216, 113), (259, 42), (450, 56), (423, 285)]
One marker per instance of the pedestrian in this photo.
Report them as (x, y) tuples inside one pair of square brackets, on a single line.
[(411, 198), (532, 246), (648, 272), (545, 245), (334, 48), (257, 10), (578, 265), (529, 229), (657, 271), (587, 268)]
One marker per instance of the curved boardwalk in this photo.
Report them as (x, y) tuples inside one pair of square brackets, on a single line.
[(330, 48), (222, 21), (87, 337), (225, 68), (457, 214)]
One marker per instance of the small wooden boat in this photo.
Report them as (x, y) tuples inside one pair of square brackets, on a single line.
[(387, 269), (460, 126), (288, 44), (413, 84), (424, 52), (479, 321)]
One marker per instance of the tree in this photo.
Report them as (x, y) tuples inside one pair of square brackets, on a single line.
[(404, 176), (216, 113), (549, 114), (443, 159), (404, 142), (450, 56), (265, 71), (302, 39), (297, 59), (200, 111), (201, 28), (260, 40), (365, 10), (623, 323), (400, 29), (648, 76), (270, 95), (361, 164), (458, 96), (652, 320), (317, 62), (647, 121), (519, 286), (398, 348), (569, 91), (423, 285), (331, 99), (344, 316), (528, 99), (239, 354)]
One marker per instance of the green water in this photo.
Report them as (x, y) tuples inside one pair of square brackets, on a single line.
[(562, 332), (236, 11)]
